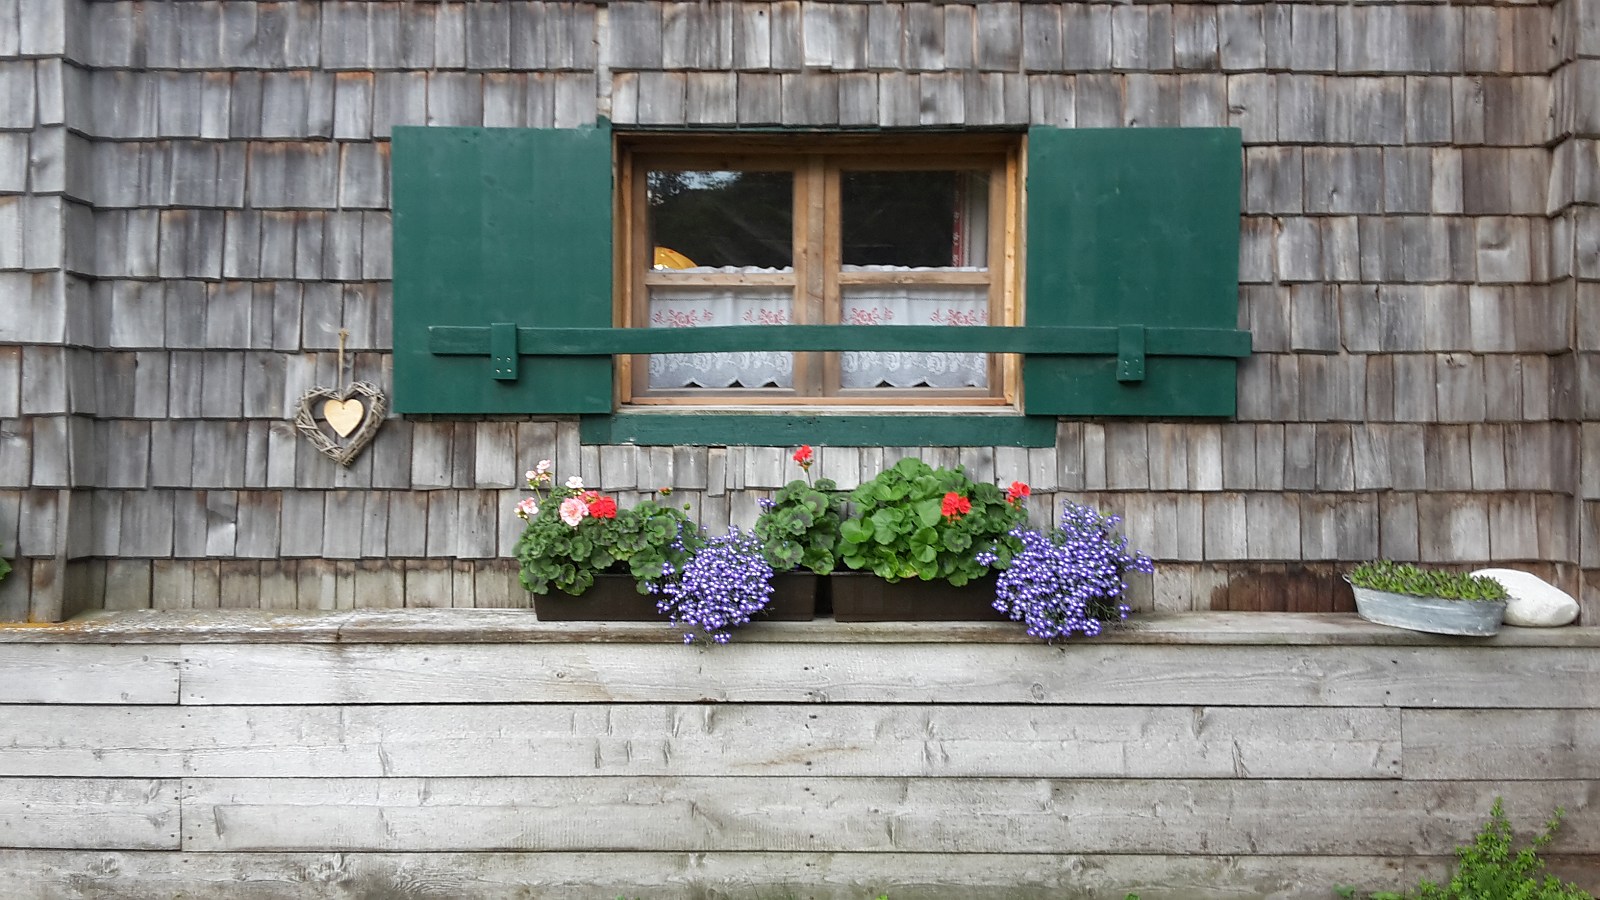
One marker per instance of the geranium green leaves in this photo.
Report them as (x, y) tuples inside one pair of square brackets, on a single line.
[(800, 527), (887, 525), (855, 531), (555, 554), (900, 528)]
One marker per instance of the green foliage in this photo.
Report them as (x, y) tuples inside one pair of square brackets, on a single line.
[(1490, 869), (899, 530), (1403, 578), (800, 529), (637, 541), (5, 569)]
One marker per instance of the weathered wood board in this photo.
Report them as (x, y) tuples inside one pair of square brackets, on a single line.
[(423, 625), (943, 815), (89, 813), (67, 673), (78, 875), (1086, 673), (702, 740), (1506, 744)]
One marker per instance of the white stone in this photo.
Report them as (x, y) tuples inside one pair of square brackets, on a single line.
[(1534, 603)]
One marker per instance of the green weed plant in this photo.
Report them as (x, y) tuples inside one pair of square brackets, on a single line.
[(1491, 868)]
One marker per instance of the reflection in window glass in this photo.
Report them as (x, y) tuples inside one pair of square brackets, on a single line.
[(721, 218), (915, 219)]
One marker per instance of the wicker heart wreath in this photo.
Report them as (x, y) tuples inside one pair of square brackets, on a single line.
[(341, 422)]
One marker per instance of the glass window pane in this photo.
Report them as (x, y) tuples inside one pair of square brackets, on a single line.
[(717, 219), (914, 305), (915, 219), (701, 306)]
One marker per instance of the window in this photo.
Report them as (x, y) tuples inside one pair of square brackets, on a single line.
[(789, 230), (517, 291)]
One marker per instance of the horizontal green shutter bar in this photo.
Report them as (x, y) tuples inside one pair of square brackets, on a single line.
[(452, 340)]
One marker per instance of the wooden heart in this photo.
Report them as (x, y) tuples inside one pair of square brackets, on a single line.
[(343, 415), (347, 424)]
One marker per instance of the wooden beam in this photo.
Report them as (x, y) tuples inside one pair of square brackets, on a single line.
[(461, 626), (85, 813), (677, 740), (1097, 673), (93, 875), (865, 814), (65, 673)]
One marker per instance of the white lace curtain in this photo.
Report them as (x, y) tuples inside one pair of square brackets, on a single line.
[(703, 306), (954, 305), (711, 306)]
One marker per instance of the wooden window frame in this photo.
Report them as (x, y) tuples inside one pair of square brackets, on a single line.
[(817, 161)]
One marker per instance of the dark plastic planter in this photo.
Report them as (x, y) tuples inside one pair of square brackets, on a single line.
[(616, 598), (862, 597)]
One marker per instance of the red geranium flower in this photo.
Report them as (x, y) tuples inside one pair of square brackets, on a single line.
[(955, 506), (1017, 492), (603, 508), (803, 457)]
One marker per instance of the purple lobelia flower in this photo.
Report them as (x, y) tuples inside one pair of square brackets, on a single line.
[(1068, 580), (720, 588)]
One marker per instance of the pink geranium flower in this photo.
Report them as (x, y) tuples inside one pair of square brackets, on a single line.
[(573, 510)]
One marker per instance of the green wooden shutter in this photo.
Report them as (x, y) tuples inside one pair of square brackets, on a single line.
[(1135, 228), (500, 227)]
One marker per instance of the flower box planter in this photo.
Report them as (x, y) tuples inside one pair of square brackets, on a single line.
[(863, 597), (616, 598), (1471, 618)]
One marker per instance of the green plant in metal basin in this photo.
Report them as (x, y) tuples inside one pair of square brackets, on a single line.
[(1431, 600)]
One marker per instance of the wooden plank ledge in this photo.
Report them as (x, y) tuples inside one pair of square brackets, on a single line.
[(512, 626)]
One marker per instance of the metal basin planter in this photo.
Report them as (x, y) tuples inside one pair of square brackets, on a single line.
[(1435, 615)]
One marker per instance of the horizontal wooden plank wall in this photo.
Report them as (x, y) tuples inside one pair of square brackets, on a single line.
[(188, 224), (372, 754)]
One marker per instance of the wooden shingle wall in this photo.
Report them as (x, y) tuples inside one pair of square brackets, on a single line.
[(1575, 221), (193, 203), (47, 364)]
